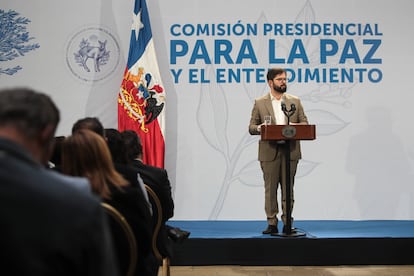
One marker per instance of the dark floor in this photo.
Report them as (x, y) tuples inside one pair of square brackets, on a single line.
[(292, 270)]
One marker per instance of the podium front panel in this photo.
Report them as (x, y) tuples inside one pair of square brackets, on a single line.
[(288, 132)]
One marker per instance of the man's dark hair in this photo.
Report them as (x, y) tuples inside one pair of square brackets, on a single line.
[(27, 110), (116, 146), (91, 123), (56, 157), (273, 72), (132, 143)]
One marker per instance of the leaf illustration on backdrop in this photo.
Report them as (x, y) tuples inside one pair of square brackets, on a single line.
[(260, 43), (327, 122), (14, 39), (250, 174), (229, 175), (334, 93), (306, 15), (305, 168), (212, 114)]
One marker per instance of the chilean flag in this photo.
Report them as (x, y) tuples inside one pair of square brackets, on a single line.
[(141, 99)]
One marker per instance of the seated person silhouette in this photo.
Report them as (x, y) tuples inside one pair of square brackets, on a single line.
[(86, 153)]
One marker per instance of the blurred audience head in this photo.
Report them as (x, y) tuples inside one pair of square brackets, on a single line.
[(85, 153), (116, 146), (91, 123), (56, 157), (29, 118), (133, 144)]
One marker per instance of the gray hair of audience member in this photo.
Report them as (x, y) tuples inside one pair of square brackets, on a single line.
[(28, 111), (91, 123)]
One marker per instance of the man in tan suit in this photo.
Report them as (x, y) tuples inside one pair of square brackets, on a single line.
[(271, 156)]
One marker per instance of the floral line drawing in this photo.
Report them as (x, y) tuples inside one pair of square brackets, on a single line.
[(14, 39), (212, 118)]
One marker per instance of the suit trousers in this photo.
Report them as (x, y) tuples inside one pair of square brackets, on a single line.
[(274, 174)]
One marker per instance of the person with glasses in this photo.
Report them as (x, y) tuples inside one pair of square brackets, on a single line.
[(271, 156)]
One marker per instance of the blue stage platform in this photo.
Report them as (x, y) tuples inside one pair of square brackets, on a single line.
[(326, 242)]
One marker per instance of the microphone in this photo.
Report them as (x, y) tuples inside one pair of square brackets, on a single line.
[(283, 107), (289, 112)]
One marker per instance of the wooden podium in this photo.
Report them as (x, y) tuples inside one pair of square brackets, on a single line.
[(288, 133)]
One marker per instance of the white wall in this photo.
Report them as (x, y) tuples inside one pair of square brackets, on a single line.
[(360, 165)]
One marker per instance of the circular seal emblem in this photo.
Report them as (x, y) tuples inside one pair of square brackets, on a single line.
[(92, 54), (289, 131)]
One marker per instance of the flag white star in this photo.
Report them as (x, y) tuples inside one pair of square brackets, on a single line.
[(137, 24), (140, 94)]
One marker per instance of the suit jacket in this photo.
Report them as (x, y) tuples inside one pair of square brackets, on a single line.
[(48, 227), (262, 107), (130, 203), (157, 179), (134, 206), (80, 183)]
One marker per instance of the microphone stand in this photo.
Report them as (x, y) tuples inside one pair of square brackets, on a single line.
[(289, 185)]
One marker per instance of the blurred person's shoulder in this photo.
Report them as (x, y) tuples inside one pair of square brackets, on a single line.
[(80, 183)]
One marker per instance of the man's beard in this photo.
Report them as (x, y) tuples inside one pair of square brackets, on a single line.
[(280, 89)]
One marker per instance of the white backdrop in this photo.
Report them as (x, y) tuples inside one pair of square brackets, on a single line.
[(360, 165)]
